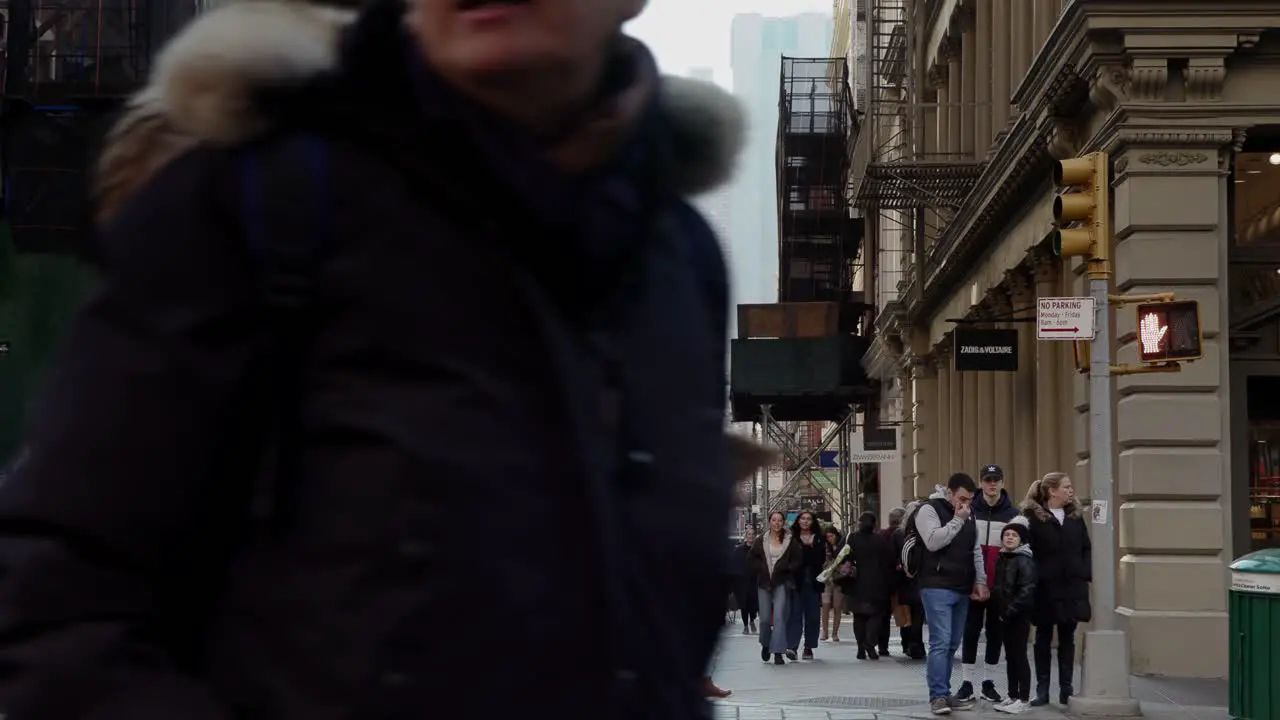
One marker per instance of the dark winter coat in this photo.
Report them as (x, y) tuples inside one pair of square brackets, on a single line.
[(990, 520), (869, 591), (746, 581), (785, 571), (812, 559), (453, 372), (1013, 585), (1064, 564)]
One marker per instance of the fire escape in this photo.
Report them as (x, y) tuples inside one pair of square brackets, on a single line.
[(797, 368), (907, 187)]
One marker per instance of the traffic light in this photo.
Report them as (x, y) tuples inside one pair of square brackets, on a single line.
[(1085, 184), (1169, 331)]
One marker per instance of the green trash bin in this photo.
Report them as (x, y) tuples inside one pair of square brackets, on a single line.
[(1254, 619)]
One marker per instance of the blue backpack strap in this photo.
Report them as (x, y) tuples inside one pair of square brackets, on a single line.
[(286, 196)]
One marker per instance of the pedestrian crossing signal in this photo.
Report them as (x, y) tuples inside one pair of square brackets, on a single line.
[(1169, 331)]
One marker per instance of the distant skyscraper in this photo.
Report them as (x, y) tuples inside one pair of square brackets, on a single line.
[(757, 46)]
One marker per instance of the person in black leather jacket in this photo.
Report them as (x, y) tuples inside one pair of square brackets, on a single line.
[(1014, 592)]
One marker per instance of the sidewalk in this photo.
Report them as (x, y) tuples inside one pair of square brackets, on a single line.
[(837, 686)]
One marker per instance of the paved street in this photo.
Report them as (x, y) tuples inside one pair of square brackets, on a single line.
[(837, 686)]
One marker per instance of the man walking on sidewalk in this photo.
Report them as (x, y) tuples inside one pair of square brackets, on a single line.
[(952, 572), (991, 511)]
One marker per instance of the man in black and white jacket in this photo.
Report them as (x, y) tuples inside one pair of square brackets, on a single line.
[(952, 572)]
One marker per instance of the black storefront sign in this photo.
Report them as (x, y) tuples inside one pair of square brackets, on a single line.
[(879, 439), (986, 350)]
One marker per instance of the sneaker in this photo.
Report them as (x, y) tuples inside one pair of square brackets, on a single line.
[(808, 654), (1002, 703), (989, 692), (746, 630), (753, 627), (777, 659), (939, 706), (958, 703), (764, 654), (1015, 707), (965, 692), (791, 655)]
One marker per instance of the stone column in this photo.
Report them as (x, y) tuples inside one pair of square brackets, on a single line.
[(1001, 64), (942, 128), (906, 441), (1048, 412), (972, 425), (959, 434), (1043, 14), (924, 394), (968, 88), (1020, 47), (1023, 472), (954, 100), (1173, 472), (982, 73), (1002, 391), (942, 461)]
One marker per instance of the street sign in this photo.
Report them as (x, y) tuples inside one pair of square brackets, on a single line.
[(1065, 318)]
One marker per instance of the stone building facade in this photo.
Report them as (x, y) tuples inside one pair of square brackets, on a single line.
[(1185, 96)]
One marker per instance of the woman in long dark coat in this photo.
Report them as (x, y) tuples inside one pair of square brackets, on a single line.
[(1059, 540), (867, 592), (744, 588)]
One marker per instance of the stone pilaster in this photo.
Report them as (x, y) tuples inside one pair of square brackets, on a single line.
[(1023, 473), (969, 420), (1002, 391), (1173, 468), (1048, 413), (925, 442), (1001, 64)]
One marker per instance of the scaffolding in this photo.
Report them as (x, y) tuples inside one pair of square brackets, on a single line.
[(897, 174), (818, 238)]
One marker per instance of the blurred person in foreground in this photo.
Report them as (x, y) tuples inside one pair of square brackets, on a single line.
[(364, 272)]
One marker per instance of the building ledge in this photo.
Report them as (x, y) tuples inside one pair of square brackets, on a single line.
[(903, 185)]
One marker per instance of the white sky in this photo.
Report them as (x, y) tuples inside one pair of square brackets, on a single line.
[(686, 34)]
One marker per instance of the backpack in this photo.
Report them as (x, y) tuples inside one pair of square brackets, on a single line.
[(912, 556)]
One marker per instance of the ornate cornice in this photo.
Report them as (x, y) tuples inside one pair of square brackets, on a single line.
[(1021, 285), (1045, 267), (1064, 140), (1148, 78), (999, 301), (1204, 77)]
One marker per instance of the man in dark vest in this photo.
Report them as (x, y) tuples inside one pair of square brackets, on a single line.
[(951, 574)]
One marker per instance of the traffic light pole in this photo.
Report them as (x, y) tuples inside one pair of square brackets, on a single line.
[(1106, 690)]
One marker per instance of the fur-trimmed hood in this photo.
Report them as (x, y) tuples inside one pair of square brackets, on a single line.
[(205, 82), (1042, 513)]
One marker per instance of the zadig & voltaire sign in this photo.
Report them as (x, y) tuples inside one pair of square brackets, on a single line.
[(986, 350)]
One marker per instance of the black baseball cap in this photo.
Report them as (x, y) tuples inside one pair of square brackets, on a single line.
[(991, 471)]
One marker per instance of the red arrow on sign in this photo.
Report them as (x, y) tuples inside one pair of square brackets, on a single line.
[(1074, 329)]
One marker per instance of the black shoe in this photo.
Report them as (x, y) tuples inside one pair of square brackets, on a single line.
[(764, 654), (872, 654), (808, 654), (862, 654), (1042, 693), (1064, 694), (777, 659), (966, 691), (989, 692), (791, 655)]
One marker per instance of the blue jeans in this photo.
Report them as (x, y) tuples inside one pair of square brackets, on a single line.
[(946, 612), (773, 604), (806, 611)]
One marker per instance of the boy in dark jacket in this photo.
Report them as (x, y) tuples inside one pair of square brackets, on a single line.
[(1013, 593)]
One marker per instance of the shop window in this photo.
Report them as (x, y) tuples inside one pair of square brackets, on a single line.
[(1264, 462), (1257, 199)]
